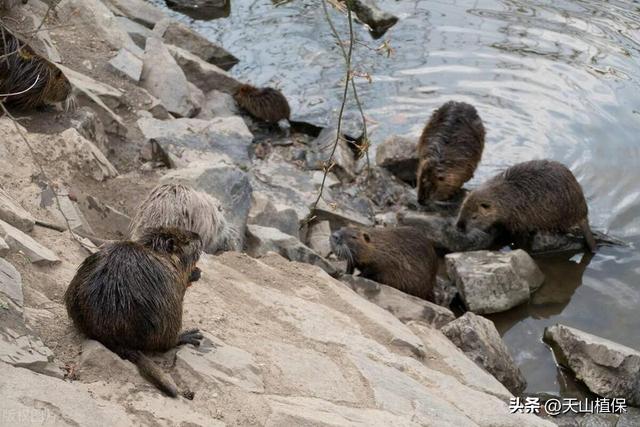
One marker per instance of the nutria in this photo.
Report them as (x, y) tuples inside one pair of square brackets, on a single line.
[(27, 80), (178, 205), (449, 151), (266, 103), (539, 195), (129, 297), (401, 257)]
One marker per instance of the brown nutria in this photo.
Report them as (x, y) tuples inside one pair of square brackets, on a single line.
[(266, 103), (539, 195), (129, 297), (401, 257), (27, 80), (179, 205), (449, 151)]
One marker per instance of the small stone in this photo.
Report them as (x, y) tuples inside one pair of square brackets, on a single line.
[(127, 65), (609, 369), (178, 34), (318, 237), (492, 282), (18, 241), (479, 339), (14, 214)]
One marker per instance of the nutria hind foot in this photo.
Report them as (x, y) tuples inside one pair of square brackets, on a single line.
[(588, 236), (151, 371), (188, 394), (190, 336)]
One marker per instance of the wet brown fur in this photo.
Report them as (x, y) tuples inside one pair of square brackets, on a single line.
[(539, 195), (401, 257), (266, 104), (449, 151), (21, 67), (129, 296)]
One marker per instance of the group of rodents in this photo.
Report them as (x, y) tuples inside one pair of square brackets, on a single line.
[(538, 195)]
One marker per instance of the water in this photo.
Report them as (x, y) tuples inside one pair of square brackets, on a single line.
[(551, 79)]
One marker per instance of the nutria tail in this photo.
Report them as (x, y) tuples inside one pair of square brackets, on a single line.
[(588, 235), (152, 372)]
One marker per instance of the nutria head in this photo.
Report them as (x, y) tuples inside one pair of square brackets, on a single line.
[(351, 244), (436, 181), (480, 210), (34, 80), (182, 246)]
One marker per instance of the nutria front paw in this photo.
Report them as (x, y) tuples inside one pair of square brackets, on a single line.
[(190, 336)]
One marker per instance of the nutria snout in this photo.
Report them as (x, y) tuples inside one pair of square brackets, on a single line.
[(539, 195), (449, 151)]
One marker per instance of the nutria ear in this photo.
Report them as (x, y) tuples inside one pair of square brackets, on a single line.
[(366, 237)]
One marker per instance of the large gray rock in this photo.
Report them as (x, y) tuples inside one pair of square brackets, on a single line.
[(218, 104), (265, 213), (138, 10), (95, 15), (399, 156), (101, 96), (178, 34), (21, 242), (127, 65), (378, 20), (99, 363), (14, 214), (385, 190), (226, 182), (262, 240), (11, 284), (4, 248), (609, 369), (195, 139), (103, 213), (320, 151), (405, 307), (86, 121), (206, 76), (164, 79), (491, 282), (479, 339)]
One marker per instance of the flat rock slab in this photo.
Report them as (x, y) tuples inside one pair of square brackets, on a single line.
[(215, 360), (14, 214), (139, 11), (492, 282), (609, 369), (11, 283), (262, 240), (126, 64), (189, 139), (405, 307), (21, 242), (178, 34), (479, 339)]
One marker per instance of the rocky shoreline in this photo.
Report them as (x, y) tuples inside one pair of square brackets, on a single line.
[(290, 340)]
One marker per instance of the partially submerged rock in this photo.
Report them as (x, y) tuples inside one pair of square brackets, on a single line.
[(491, 282), (262, 240), (378, 20), (201, 9), (405, 307), (178, 34), (479, 339), (609, 369)]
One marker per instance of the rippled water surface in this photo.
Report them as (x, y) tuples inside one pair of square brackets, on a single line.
[(554, 79)]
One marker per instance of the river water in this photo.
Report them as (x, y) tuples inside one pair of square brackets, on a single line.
[(551, 79)]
